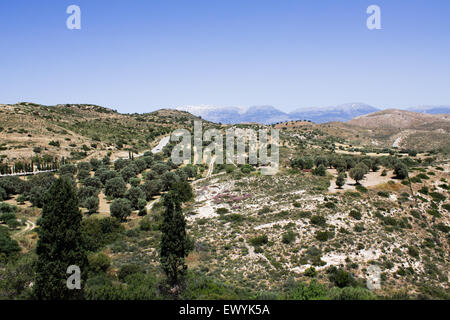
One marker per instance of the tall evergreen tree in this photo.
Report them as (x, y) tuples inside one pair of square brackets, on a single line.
[(60, 243), (175, 244)]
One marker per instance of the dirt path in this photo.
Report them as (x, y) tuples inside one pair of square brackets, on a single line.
[(211, 167), (30, 225)]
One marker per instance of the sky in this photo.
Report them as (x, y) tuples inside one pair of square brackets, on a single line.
[(142, 55)]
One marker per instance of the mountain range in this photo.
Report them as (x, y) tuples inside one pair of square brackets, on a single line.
[(270, 114)]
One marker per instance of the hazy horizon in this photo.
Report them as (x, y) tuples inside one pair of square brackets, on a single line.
[(147, 55)]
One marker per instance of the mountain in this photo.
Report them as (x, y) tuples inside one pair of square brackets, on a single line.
[(343, 112), (269, 114), (431, 109)]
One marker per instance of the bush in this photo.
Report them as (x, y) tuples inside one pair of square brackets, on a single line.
[(127, 270), (424, 190), (383, 194), (318, 220), (355, 214), (8, 246), (341, 278), (3, 194), (68, 169), (288, 237), (259, 240), (121, 209), (349, 293), (330, 205), (413, 252), (222, 210), (7, 208), (145, 224), (322, 235), (438, 197), (311, 272), (98, 262)]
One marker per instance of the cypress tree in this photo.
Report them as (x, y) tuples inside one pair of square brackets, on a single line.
[(60, 243), (175, 244)]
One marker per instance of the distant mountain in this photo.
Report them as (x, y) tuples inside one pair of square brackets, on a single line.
[(269, 114), (343, 112), (431, 109)]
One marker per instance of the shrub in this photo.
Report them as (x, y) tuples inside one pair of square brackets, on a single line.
[(259, 240), (222, 210), (341, 278), (383, 194), (413, 252), (3, 195), (127, 270), (322, 235), (311, 272), (98, 262), (355, 214), (145, 224), (330, 205), (288, 237), (438, 197), (424, 190), (349, 293), (68, 169), (359, 227), (121, 209), (318, 220)]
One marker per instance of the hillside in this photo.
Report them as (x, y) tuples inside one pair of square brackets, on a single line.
[(81, 131), (401, 119), (343, 204)]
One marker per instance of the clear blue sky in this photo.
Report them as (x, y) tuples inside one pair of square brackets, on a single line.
[(137, 56)]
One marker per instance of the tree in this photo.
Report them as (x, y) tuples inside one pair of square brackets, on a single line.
[(183, 190), (115, 187), (401, 170), (151, 188), (174, 241), (91, 204), (142, 206), (134, 194), (319, 171), (321, 160), (121, 209), (358, 173), (69, 169), (340, 180), (129, 172), (60, 243)]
